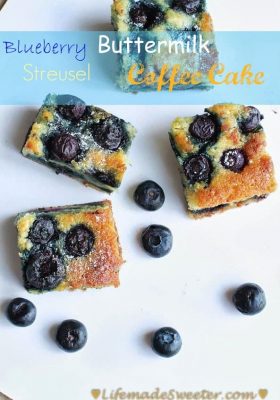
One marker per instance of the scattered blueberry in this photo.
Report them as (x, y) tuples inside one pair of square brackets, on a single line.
[(198, 168), (188, 6), (167, 342), (157, 240), (234, 159), (149, 195), (251, 121), (21, 312), (71, 335), (145, 16), (79, 241), (63, 147), (70, 107), (249, 299), (203, 128), (44, 270), (42, 230)]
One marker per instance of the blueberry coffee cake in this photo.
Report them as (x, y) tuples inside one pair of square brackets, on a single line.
[(170, 21), (222, 158), (71, 247), (82, 141)]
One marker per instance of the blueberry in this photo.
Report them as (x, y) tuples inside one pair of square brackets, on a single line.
[(71, 335), (109, 134), (157, 240), (188, 6), (167, 342), (70, 107), (234, 160), (21, 312), (198, 168), (145, 16), (149, 195), (63, 147), (251, 120), (79, 241), (42, 230), (203, 128), (44, 270), (249, 299)]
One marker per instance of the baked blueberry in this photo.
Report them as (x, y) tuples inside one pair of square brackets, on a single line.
[(71, 335), (251, 120), (157, 240), (145, 15), (203, 128), (198, 168), (149, 195), (234, 159), (70, 107), (42, 230), (249, 299), (79, 241), (188, 6), (109, 134), (21, 312), (167, 342), (63, 147), (44, 270)]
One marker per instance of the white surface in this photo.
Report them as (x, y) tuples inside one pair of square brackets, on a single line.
[(222, 349), (187, 289)]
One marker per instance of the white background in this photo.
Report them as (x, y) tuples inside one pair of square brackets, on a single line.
[(189, 289)]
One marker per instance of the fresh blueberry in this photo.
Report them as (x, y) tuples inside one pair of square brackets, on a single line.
[(198, 168), (203, 128), (157, 240), (21, 312), (167, 342), (234, 160), (71, 335), (149, 195), (249, 299), (79, 241), (251, 120)]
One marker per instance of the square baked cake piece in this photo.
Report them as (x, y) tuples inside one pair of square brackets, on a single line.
[(71, 247), (222, 158), (185, 21), (82, 141)]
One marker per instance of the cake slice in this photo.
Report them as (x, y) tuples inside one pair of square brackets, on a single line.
[(164, 21), (72, 247), (82, 141), (222, 158)]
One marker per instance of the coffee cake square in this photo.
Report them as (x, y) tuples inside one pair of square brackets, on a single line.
[(71, 247), (222, 158), (84, 142)]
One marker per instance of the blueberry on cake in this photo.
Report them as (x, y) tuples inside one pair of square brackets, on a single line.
[(170, 21), (222, 158), (82, 141), (71, 247)]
